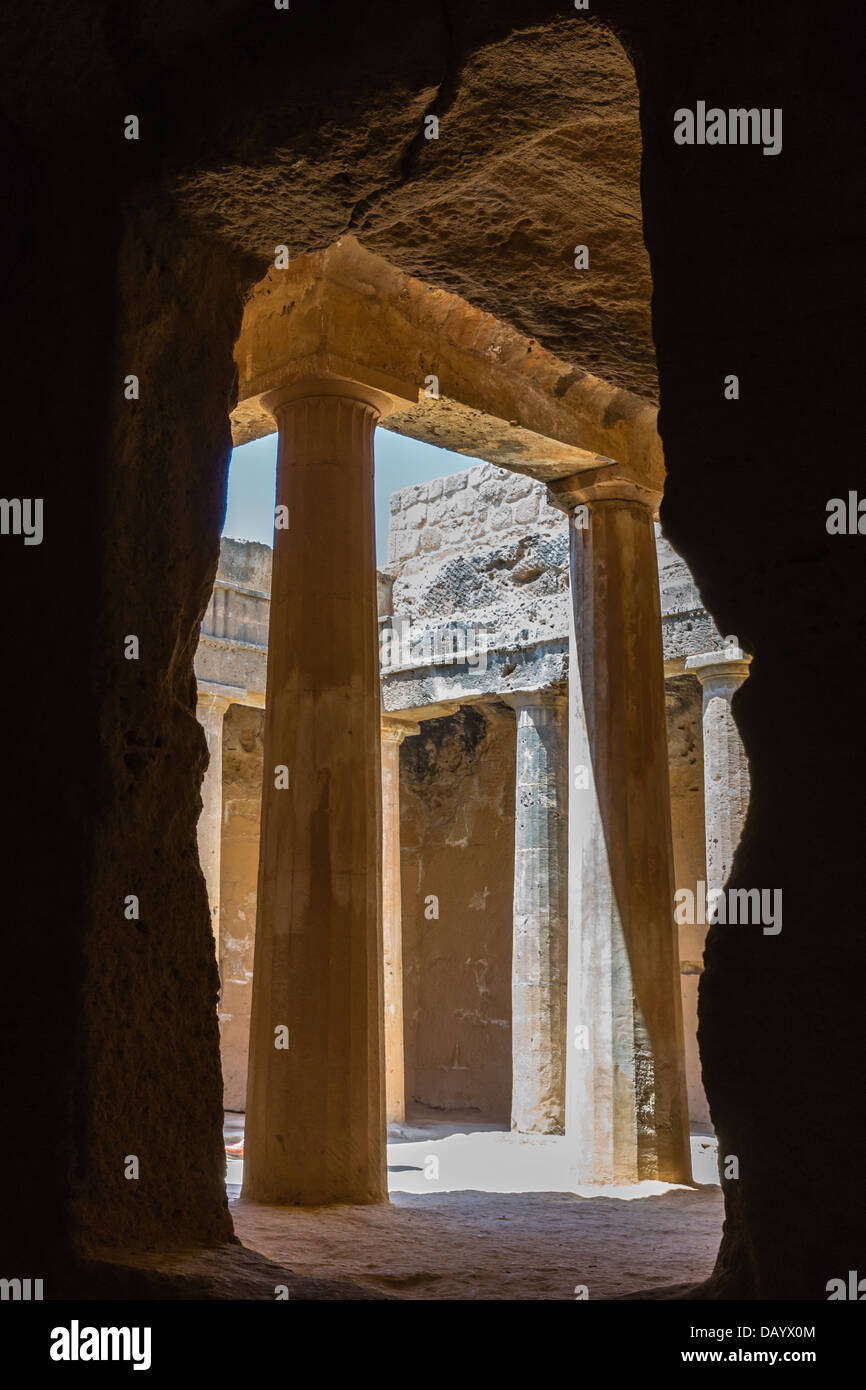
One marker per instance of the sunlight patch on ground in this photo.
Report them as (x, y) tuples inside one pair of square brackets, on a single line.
[(429, 1158)]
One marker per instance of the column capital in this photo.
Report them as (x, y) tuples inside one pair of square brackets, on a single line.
[(216, 698), (376, 390), (395, 730), (731, 662), (613, 483)]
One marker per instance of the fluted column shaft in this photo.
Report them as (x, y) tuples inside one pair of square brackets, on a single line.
[(726, 770), (316, 1096), (538, 971), (626, 1108)]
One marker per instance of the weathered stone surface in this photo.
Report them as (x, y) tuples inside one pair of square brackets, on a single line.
[(686, 767), (457, 791), (233, 642), (242, 794), (511, 585), (626, 1106), (540, 918), (726, 771), (458, 378)]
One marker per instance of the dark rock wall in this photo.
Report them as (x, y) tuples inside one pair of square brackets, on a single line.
[(126, 256), (781, 1021)]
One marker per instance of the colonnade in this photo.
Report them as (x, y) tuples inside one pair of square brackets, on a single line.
[(597, 1018)]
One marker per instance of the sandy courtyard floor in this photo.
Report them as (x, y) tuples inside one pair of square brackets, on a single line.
[(483, 1214)]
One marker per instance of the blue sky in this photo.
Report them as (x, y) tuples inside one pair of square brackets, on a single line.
[(399, 463)]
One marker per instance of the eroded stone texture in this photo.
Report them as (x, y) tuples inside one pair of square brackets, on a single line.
[(147, 1038), (557, 96)]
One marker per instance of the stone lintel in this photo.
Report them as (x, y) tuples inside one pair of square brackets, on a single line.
[(458, 377), (233, 587), (418, 714), (450, 424), (211, 694), (551, 697), (429, 691)]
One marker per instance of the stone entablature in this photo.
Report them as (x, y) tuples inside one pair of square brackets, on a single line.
[(485, 552), (456, 376)]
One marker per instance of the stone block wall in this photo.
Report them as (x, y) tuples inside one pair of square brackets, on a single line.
[(464, 512), (484, 546)]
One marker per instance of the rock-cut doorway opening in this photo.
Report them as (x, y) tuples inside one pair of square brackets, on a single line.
[(556, 450)]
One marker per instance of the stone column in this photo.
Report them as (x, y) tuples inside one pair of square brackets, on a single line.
[(315, 1128), (626, 1108), (538, 972), (685, 752), (726, 771), (393, 733), (210, 709)]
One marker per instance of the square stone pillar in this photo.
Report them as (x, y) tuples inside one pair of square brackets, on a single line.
[(393, 733), (211, 705), (538, 974), (626, 1107)]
